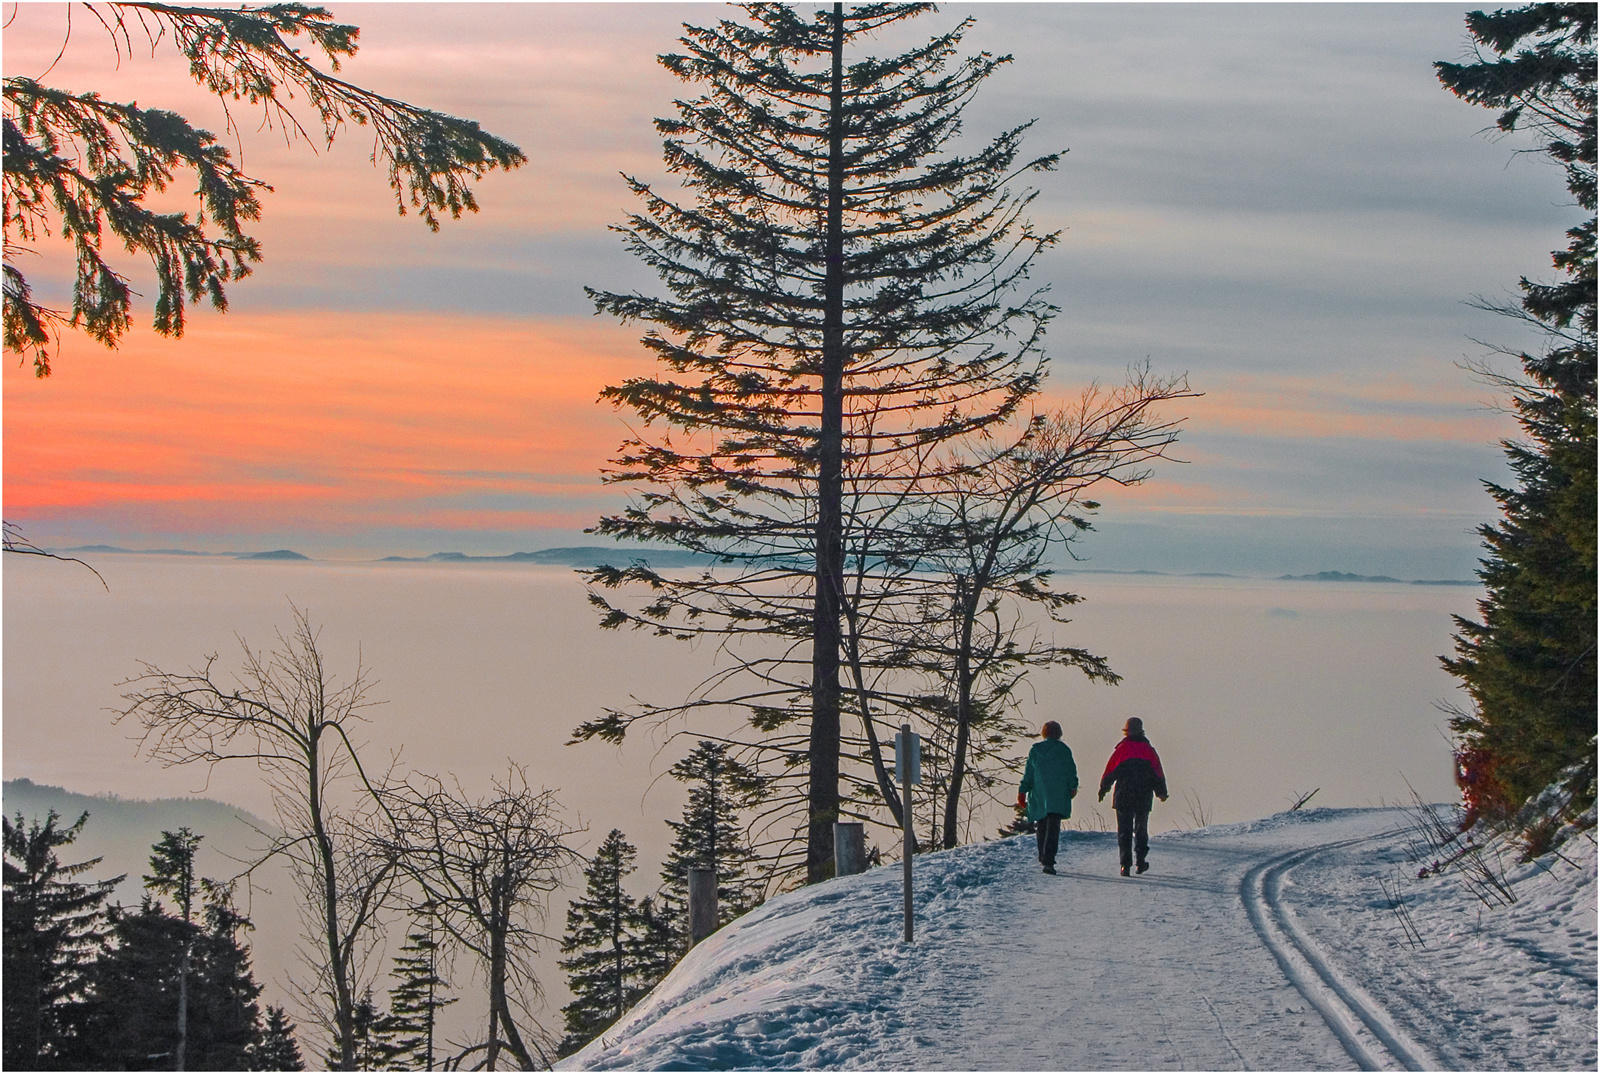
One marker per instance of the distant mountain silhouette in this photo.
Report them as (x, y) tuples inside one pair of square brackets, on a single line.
[(602, 555), (584, 556), (1335, 576), (143, 551), (1341, 576), (104, 549)]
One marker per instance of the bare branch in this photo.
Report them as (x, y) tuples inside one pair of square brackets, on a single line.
[(16, 543)]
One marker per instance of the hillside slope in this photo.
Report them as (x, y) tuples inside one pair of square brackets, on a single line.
[(1273, 944), (121, 830)]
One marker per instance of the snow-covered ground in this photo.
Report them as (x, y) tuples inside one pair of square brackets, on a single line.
[(1277, 944)]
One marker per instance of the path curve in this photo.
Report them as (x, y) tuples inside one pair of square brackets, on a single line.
[(1262, 945), (1371, 1037)]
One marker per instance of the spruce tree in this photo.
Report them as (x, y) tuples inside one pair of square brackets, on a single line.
[(226, 1024), (368, 1045), (368, 1051), (1529, 665), (172, 873), (659, 943), (607, 972), (134, 1011), (277, 1049), (134, 1016), (54, 927), (842, 294), (405, 1033), (710, 834)]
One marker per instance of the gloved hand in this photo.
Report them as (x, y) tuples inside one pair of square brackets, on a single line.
[(1022, 800), (1102, 797), (1162, 797)]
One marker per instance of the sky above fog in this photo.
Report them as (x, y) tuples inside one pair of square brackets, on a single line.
[(1280, 201)]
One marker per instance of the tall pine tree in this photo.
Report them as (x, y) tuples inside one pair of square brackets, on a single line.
[(710, 835), (368, 1051), (225, 1009), (608, 971), (54, 927), (406, 1032), (277, 1049), (842, 295), (172, 873), (1529, 665), (660, 941)]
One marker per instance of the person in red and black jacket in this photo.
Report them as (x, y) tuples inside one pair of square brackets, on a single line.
[(1136, 770)]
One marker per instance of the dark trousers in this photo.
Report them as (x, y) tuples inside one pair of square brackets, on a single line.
[(1047, 833), (1133, 835)]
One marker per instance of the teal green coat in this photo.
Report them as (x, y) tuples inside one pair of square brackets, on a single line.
[(1050, 780)]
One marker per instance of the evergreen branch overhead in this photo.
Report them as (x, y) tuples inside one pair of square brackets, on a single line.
[(78, 167)]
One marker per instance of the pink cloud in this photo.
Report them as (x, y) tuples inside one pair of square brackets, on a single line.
[(322, 415)]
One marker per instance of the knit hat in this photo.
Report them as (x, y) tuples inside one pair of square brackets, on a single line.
[(1133, 727)]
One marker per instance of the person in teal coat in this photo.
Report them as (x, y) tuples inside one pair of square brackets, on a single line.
[(1048, 785)]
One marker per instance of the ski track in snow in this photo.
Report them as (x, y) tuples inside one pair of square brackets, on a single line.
[(1268, 945), (1364, 1028), (1511, 987)]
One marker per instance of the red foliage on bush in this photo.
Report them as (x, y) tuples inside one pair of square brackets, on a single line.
[(1482, 794)]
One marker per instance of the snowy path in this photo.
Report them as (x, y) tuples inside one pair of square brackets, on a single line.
[(1260, 946), (1170, 970)]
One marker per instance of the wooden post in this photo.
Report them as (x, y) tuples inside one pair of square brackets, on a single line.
[(702, 903), (849, 847), (909, 844), (908, 766)]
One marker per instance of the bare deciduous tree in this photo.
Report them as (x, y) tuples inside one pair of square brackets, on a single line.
[(993, 527), (286, 714), (486, 867), (951, 604)]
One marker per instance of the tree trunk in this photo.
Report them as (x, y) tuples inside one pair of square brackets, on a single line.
[(823, 790), (616, 940), (880, 771), (433, 1011), (186, 878), (344, 1003), (183, 1002), (513, 1036), (497, 970), (968, 598), (500, 1020)]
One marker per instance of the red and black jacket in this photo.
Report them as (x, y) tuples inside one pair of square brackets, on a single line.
[(1136, 770)]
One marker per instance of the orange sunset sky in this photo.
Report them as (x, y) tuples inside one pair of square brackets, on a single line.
[(1278, 200)]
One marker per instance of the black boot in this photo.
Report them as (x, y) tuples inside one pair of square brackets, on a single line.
[(1124, 870), (1144, 866)]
